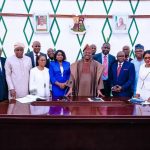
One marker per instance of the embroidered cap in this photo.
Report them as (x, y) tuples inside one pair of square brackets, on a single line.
[(139, 46), (18, 44), (87, 48)]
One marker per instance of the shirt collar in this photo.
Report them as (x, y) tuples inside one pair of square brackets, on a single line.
[(104, 55), (120, 63), (138, 60), (36, 54)]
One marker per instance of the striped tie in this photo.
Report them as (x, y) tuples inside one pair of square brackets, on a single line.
[(118, 70), (105, 63)]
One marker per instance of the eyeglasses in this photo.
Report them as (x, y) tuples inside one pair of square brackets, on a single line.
[(146, 57)]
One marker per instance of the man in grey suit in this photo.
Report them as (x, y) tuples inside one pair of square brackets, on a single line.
[(107, 60), (35, 53)]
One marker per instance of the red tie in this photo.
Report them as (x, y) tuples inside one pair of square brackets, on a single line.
[(118, 70), (105, 63)]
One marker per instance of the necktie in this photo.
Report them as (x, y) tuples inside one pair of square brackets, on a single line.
[(36, 62), (118, 70), (105, 63)]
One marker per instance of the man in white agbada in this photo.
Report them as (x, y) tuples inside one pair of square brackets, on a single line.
[(17, 72)]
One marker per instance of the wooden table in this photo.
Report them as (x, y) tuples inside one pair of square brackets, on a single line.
[(74, 124)]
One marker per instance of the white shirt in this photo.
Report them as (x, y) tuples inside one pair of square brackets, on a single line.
[(40, 81), (61, 70), (143, 85), (120, 64)]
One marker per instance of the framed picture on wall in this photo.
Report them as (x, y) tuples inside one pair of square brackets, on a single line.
[(120, 23), (41, 23)]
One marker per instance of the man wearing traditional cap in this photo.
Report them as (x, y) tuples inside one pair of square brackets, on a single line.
[(86, 76), (3, 84), (106, 60), (138, 61), (17, 72), (35, 53)]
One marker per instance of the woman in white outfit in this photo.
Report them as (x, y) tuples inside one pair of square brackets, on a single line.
[(39, 79), (143, 85)]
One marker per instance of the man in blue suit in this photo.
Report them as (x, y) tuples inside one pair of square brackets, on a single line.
[(107, 60), (3, 84), (35, 53), (122, 76)]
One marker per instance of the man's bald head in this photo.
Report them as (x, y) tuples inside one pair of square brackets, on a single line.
[(36, 46), (50, 53), (120, 53), (121, 56), (126, 50), (36, 42)]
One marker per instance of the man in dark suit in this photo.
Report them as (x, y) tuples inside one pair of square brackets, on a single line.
[(35, 53), (126, 50), (3, 84), (122, 76), (50, 54), (107, 60)]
